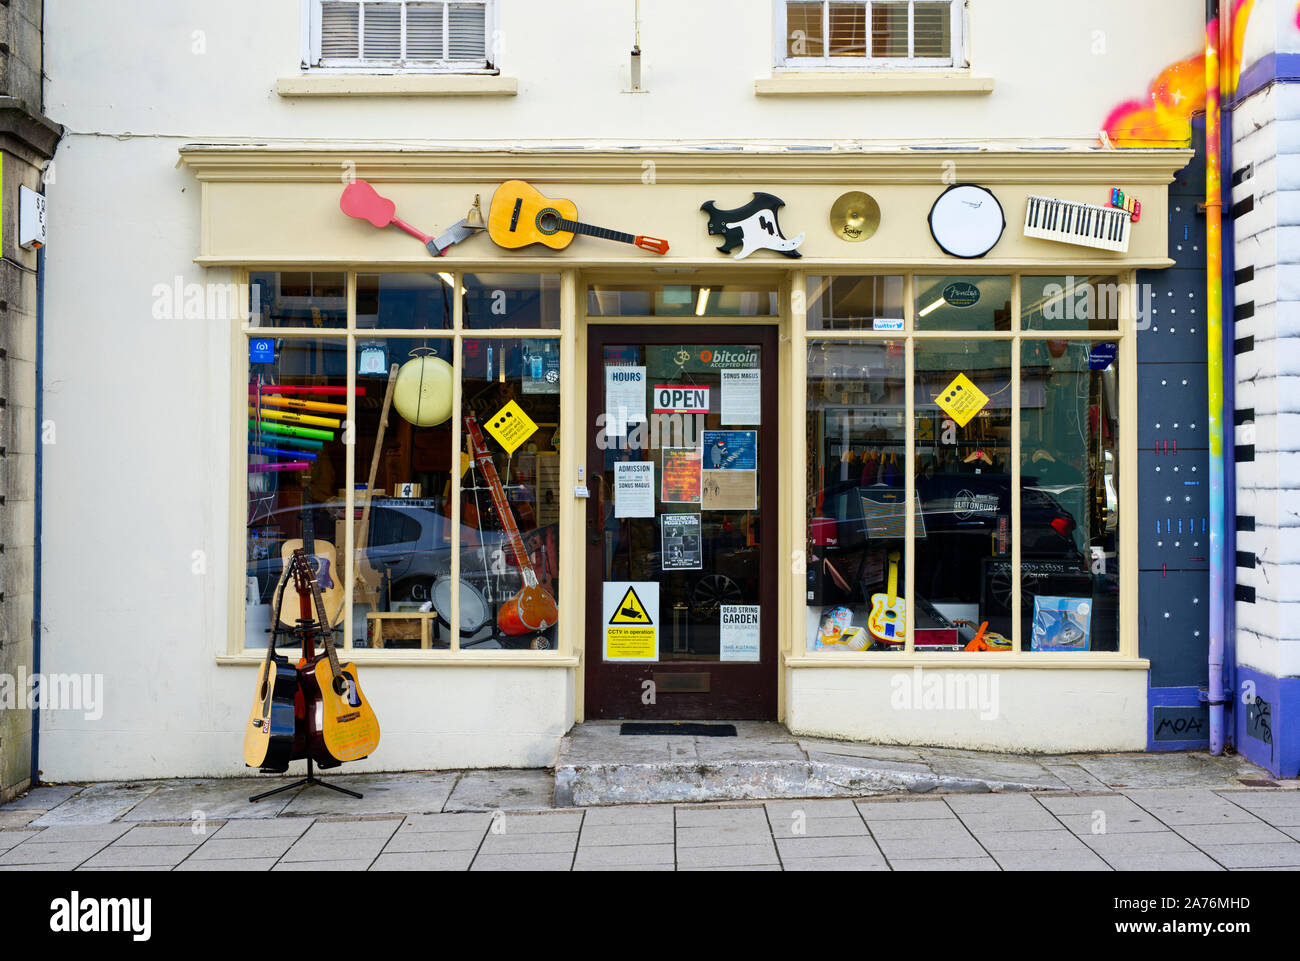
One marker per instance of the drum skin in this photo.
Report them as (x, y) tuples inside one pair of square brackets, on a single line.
[(422, 393)]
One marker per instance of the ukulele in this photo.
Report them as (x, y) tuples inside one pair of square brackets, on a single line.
[(340, 723), (520, 216), (323, 560), (362, 201), (269, 737), (532, 609), (887, 620)]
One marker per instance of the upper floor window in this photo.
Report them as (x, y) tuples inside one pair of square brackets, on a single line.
[(412, 35), (877, 34)]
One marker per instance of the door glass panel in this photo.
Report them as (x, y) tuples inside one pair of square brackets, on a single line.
[(679, 485)]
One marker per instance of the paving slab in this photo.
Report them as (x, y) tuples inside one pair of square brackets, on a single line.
[(335, 849), (1254, 855), (730, 855), (819, 828), (904, 810), (1149, 842), (944, 864), (153, 836), (99, 803), (501, 790), (1180, 861), (416, 842), (140, 855), (930, 847), (593, 857), (56, 852), (423, 861), (1256, 833), (1006, 842), (352, 864), (233, 864), (619, 835), (80, 832), (225, 849), (529, 843), (1068, 859), (531, 862), (273, 828), (834, 864), (18, 819), (1166, 770), (827, 847), (9, 839), (44, 797), (629, 815), (410, 793), (909, 828), (212, 799)]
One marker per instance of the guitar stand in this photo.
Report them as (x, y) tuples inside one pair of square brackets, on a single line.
[(304, 782)]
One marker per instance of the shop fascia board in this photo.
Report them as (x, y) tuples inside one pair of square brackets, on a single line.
[(280, 163)]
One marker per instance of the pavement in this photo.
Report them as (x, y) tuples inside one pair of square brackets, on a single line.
[(1177, 812)]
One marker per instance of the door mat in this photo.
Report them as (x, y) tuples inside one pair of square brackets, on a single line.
[(683, 730)]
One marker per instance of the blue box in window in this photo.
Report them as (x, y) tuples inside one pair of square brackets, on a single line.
[(1061, 623), (261, 350)]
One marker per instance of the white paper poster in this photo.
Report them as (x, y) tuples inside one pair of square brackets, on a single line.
[(634, 488), (624, 399), (741, 396), (738, 632)]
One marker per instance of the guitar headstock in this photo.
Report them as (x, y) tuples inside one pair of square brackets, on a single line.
[(304, 578)]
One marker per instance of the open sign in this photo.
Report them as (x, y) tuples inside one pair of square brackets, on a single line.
[(681, 399)]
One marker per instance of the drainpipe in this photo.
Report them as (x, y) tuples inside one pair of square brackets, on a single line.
[(36, 532), (1214, 357), (1228, 67)]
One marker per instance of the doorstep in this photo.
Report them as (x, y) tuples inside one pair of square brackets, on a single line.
[(764, 761)]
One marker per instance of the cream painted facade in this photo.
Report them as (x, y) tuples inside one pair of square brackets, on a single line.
[(197, 167)]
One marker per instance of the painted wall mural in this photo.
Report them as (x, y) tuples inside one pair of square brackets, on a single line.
[(1164, 118)]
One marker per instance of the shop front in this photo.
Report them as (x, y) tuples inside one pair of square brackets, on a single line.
[(869, 467)]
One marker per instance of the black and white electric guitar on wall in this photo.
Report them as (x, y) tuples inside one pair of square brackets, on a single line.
[(751, 227)]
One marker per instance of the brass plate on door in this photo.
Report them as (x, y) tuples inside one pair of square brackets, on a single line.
[(682, 683)]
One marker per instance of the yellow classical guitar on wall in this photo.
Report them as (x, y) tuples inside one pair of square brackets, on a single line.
[(887, 620), (520, 215)]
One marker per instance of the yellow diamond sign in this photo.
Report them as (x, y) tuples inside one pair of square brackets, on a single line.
[(961, 400), (510, 426)]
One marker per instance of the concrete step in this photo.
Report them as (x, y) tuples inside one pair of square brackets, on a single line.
[(596, 766)]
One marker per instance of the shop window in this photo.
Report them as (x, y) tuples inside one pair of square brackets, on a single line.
[(298, 299), (873, 35), (327, 469), (510, 494), (855, 303), (405, 301), (857, 459), (297, 469), (970, 302), (1069, 510), (682, 300), (392, 35), (519, 301), (963, 482), (1082, 302)]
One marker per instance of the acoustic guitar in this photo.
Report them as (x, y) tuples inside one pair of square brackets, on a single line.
[(341, 726), (269, 736), (887, 620), (323, 559), (533, 608), (520, 216)]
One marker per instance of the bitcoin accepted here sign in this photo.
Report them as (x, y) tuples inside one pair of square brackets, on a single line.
[(961, 400), (631, 621), (510, 426)]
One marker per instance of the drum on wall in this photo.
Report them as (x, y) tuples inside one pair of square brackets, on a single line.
[(474, 611), (423, 391), (967, 221)]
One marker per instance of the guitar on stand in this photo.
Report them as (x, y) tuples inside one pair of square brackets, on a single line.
[(269, 739), (334, 722), (532, 609)]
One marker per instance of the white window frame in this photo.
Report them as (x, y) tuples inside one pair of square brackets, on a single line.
[(311, 47), (958, 30)]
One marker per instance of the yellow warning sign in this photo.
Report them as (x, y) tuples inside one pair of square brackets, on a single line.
[(634, 643), (630, 610), (510, 426), (961, 400)]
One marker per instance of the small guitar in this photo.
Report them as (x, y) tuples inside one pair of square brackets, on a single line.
[(362, 201), (520, 216), (887, 620), (532, 609), (323, 559), (269, 737), (340, 723)]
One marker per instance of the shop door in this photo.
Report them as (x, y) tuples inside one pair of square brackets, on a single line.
[(681, 594)]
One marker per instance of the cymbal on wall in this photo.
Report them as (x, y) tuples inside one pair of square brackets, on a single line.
[(855, 216)]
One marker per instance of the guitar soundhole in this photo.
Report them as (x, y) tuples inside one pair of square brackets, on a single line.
[(548, 221)]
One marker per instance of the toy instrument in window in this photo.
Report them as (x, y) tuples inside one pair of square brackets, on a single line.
[(887, 620), (1087, 225), (520, 216), (532, 609)]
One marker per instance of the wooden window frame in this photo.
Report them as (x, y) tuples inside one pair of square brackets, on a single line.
[(959, 31)]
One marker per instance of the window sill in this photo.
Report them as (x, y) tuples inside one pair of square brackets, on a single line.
[(985, 660), (417, 658), (856, 84), (396, 85)]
